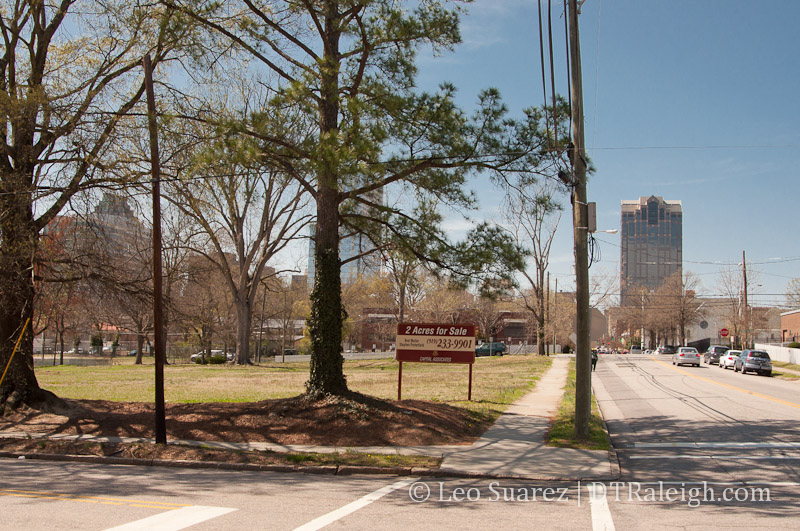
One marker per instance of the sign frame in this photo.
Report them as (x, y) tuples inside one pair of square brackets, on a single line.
[(434, 343)]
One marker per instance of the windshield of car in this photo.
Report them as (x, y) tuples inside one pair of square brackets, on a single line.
[(720, 349)]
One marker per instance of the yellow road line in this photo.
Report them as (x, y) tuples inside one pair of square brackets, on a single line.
[(733, 387), (91, 499)]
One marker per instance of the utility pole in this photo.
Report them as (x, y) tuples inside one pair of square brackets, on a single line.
[(549, 317), (580, 223), (555, 316), (158, 320), (744, 310)]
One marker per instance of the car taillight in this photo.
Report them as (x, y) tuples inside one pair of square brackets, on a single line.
[(681, 353)]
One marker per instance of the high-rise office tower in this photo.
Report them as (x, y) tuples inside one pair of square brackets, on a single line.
[(651, 244)]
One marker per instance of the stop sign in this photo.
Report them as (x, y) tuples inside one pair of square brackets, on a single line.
[(723, 332)]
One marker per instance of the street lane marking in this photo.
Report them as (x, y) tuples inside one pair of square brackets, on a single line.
[(741, 390), (326, 519), (725, 457), (601, 514), (717, 445), (91, 499), (175, 519)]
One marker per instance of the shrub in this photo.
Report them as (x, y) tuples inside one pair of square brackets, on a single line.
[(794, 344), (217, 359)]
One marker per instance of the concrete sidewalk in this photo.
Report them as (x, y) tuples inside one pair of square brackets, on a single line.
[(512, 448)]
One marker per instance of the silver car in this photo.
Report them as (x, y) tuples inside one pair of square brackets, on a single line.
[(728, 360), (754, 361), (686, 356)]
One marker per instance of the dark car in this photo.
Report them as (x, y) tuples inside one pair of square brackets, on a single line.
[(496, 348), (753, 361), (713, 353)]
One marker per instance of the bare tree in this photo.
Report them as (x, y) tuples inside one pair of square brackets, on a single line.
[(246, 211), (730, 283), (442, 303), (69, 76), (677, 304), (533, 222), (793, 293)]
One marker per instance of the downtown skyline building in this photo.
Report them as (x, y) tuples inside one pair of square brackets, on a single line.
[(651, 244)]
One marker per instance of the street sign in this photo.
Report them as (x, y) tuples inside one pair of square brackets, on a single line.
[(724, 332)]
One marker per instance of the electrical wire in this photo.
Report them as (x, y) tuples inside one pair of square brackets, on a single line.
[(544, 77), (596, 72)]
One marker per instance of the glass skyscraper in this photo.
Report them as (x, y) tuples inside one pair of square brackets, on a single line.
[(651, 244)]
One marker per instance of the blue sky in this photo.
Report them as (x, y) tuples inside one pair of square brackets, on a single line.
[(691, 100)]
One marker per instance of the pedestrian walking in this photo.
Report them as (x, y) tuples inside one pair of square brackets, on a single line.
[(594, 358)]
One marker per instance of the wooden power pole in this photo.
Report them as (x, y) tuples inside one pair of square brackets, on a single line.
[(158, 318), (580, 222)]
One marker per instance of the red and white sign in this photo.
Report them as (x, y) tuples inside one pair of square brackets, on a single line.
[(435, 343), (724, 332)]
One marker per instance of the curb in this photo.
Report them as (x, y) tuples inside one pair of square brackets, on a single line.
[(340, 470), (217, 465), (613, 456)]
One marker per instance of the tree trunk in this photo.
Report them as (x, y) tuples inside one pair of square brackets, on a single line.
[(326, 375), (244, 316), (17, 251), (540, 320), (327, 313), (139, 343)]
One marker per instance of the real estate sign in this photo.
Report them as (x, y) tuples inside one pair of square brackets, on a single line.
[(435, 343)]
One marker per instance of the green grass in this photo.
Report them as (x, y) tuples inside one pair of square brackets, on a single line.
[(497, 381), (562, 432), (786, 365), (359, 459), (785, 375)]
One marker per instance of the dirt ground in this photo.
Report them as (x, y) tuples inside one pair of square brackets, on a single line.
[(357, 420)]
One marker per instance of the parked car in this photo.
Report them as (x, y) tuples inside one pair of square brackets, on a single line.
[(217, 356), (728, 359), (753, 361), (495, 348), (713, 353), (665, 349), (686, 356)]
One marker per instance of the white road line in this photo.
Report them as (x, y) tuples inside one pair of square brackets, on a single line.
[(718, 483), (325, 519), (601, 514), (174, 520), (725, 457), (718, 445)]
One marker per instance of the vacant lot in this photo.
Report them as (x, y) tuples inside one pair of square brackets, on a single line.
[(496, 381), (263, 403)]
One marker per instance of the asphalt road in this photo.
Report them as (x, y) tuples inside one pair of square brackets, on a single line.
[(687, 437)]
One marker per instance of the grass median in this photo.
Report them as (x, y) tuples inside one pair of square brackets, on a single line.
[(785, 374), (562, 431)]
